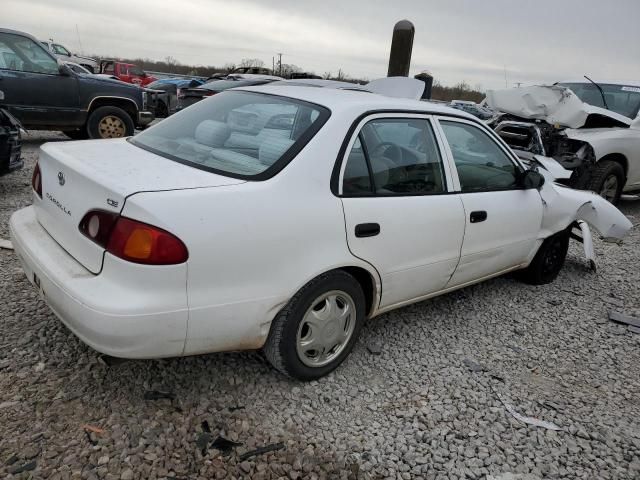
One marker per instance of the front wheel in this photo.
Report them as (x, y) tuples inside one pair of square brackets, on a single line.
[(549, 260), (318, 328), (110, 122), (607, 180)]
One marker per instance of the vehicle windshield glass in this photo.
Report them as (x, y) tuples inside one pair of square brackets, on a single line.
[(135, 70), (622, 99), (238, 134), (60, 50)]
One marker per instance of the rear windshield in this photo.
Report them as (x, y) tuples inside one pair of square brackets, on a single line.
[(238, 134)]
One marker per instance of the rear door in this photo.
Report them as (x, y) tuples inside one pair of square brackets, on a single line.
[(502, 219), (401, 215), (34, 90)]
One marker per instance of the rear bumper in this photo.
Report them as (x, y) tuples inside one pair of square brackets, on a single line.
[(117, 312)]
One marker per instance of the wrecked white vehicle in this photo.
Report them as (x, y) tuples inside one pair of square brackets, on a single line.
[(281, 217), (592, 131)]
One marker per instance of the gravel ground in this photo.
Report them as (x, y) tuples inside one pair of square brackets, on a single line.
[(419, 397)]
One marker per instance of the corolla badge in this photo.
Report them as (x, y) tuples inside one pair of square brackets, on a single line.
[(61, 179)]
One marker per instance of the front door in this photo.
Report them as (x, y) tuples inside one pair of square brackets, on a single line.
[(502, 219), (400, 215), (34, 89)]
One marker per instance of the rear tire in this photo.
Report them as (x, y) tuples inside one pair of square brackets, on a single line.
[(607, 180), (318, 328), (110, 122), (546, 265)]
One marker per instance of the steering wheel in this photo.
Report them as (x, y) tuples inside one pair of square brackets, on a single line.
[(384, 147)]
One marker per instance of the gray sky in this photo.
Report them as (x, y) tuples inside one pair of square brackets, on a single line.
[(471, 40)]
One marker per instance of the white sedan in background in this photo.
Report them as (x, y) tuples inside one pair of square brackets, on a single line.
[(281, 217)]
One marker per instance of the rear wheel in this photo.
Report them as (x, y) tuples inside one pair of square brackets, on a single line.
[(549, 260), (317, 329), (607, 180), (110, 122)]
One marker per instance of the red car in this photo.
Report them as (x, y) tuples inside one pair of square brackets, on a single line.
[(127, 72)]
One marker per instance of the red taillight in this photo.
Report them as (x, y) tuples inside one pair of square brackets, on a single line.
[(36, 180), (132, 240), (97, 225)]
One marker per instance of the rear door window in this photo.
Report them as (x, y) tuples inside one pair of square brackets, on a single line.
[(400, 157)]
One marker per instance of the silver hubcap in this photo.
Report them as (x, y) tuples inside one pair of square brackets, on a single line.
[(111, 127), (609, 188), (326, 328)]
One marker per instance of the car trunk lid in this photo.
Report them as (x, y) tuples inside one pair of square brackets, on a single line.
[(78, 177)]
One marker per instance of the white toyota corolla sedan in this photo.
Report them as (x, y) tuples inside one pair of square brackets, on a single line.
[(281, 217)]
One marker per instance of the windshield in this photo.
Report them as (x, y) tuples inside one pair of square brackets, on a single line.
[(622, 99), (238, 134), (135, 70)]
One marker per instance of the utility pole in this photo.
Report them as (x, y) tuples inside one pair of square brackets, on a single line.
[(273, 65), (506, 83), (78, 33), (279, 64)]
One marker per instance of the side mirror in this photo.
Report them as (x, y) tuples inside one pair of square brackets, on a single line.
[(64, 70), (531, 179)]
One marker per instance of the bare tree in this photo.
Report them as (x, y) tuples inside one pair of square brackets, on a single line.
[(172, 62), (251, 62)]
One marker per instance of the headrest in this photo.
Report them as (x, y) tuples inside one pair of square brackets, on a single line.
[(212, 133), (272, 149)]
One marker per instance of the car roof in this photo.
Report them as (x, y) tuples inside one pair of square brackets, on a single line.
[(340, 99)]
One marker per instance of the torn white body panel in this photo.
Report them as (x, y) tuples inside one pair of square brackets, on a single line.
[(553, 167), (587, 243), (397, 87), (563, 206), (553, 104)]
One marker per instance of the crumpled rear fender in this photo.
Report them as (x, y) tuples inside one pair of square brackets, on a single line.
[(564, 206)]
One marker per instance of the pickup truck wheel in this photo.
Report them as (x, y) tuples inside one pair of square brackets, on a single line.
[(317, 329), (110, 122), (607, 180), (161, 110), (79, 134), (549, 260)]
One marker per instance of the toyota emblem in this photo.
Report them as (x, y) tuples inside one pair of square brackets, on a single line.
[(61, 179)]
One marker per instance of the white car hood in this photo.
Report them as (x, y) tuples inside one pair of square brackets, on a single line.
[(552, 103)]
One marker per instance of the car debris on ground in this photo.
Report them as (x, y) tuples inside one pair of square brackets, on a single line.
[(633, 323)]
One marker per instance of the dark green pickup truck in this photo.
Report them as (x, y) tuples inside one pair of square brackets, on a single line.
[(44, 94)]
